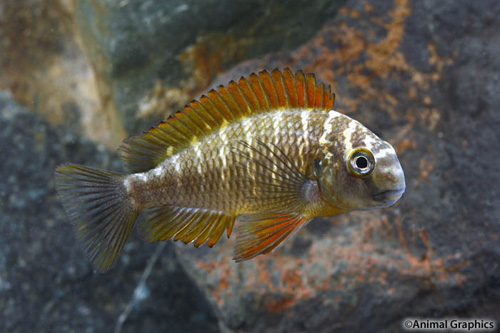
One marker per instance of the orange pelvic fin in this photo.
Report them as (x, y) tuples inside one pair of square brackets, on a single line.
[(263, 233)]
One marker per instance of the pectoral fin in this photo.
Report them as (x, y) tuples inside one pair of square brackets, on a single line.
[(263, 233), (278, 183)]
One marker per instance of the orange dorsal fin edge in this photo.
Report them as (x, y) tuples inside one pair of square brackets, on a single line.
[(262, 92)]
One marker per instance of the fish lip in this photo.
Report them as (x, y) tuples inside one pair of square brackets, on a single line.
[(389, 195)]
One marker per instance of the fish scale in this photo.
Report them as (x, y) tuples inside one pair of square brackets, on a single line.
[(268, 151), (222, 181)]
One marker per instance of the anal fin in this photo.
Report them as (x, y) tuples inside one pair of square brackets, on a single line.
[(183, 223), (264, 232)]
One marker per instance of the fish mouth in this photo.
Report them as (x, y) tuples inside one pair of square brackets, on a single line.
[(389, 195)]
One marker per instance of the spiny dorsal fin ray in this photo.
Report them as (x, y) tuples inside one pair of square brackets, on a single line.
[(262, 92)]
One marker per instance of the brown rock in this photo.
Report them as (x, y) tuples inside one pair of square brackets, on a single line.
[(422, 75)]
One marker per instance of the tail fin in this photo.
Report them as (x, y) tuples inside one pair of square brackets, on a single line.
[(96, 201)]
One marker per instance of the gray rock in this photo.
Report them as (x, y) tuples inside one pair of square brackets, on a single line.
[(183, 43), (46, 283), (424, 75)]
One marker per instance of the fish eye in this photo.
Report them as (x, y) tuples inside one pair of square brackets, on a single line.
[(361, 162)]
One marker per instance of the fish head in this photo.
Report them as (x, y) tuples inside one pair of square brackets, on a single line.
[(360, 170)]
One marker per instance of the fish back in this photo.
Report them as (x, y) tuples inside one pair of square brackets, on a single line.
[(261, 93)]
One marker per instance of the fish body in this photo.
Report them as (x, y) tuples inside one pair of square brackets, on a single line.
[(269, 151), (213, 174)]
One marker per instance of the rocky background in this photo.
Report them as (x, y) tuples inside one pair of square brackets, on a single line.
[(79, 76)]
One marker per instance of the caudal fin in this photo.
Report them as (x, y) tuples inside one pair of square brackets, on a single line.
[(96, 201)]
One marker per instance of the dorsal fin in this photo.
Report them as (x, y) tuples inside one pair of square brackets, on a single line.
[(262, 92)]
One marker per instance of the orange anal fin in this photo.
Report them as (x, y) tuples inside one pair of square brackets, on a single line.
[(229, 228), (263, 233), (183, 223)]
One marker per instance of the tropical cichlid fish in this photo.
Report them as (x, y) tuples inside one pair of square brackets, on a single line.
[(268, 151)]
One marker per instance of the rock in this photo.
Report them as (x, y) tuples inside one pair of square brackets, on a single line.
[(424, 75), (45, 68), (151, 57), (124, 65), (46, 283)]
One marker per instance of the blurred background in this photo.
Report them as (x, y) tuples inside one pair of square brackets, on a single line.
[(79, 76)]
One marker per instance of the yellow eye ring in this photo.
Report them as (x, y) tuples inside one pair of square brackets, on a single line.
[(361, 162)]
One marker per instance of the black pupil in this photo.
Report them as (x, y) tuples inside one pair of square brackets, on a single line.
[(362, 162)]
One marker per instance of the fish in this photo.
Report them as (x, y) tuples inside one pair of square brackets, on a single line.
[(268, 152)]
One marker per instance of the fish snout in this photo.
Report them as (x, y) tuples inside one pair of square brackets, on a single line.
[(389, 196), (392, 187)]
